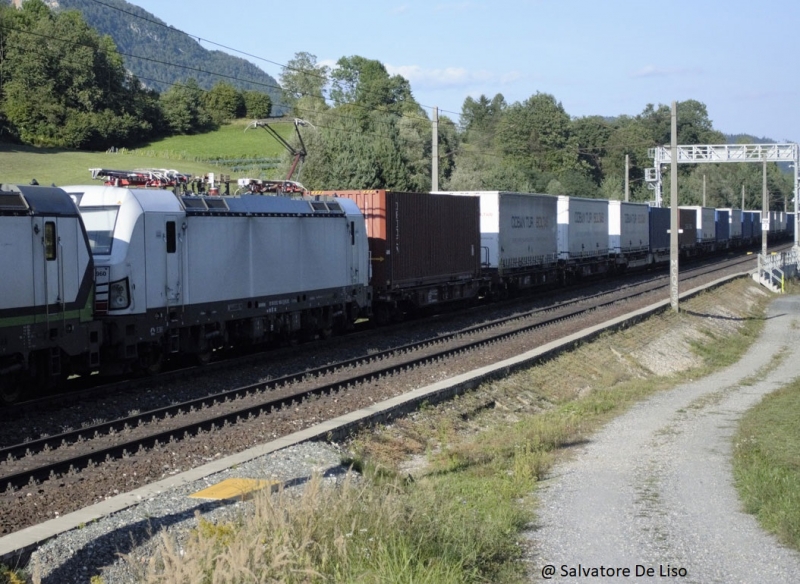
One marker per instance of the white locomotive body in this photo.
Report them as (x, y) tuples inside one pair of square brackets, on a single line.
[(188, 274)]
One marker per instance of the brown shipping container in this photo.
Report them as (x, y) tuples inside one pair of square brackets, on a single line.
[(687, 236), (417, 239)]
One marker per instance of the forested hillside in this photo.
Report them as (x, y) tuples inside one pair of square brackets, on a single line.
[(365, 129), (147, 43)]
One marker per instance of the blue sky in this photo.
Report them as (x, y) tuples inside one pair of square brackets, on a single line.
[(597, 57)]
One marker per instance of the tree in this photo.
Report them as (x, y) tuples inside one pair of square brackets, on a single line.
[(537, 132), (591, 134), (629, 136), (366, 83), (223, 102), (694, 125), (257, 104), (182, 105), (72, 90), (303, 82)]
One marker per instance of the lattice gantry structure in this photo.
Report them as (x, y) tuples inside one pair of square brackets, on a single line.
[(706, 153)]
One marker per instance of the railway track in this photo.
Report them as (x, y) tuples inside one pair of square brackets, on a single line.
[(52, 457)]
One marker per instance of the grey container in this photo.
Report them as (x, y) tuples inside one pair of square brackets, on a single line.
[(582, 228)]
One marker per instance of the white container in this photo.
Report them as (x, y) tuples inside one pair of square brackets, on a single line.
[(582, 228), (628, 228), (518, 230)]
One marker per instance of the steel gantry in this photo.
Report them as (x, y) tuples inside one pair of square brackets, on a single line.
[(706, 153)]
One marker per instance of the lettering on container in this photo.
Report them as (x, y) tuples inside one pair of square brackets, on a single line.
[(530, 222), (637, 218), (588, 217)]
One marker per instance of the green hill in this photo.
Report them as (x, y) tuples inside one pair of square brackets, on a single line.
[(229, 150), (137, 32)]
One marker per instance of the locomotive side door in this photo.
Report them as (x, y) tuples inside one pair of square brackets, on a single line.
[(174, 239), (48, 261), (163, 241)]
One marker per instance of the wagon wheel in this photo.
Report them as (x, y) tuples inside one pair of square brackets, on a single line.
[(203, 356)]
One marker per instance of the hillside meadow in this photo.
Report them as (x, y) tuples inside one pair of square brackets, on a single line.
[(229, 150)]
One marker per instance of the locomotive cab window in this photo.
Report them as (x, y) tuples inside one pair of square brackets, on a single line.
[(50, 241), (99, 222), (172, 242)]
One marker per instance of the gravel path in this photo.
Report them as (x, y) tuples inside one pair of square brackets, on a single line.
[(654, 488)]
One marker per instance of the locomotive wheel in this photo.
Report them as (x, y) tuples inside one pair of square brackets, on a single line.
[(151, 360), (10, 390)]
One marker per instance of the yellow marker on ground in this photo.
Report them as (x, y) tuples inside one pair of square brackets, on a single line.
[(235, 489)]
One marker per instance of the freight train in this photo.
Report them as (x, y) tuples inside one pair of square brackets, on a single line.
[(118, 280)]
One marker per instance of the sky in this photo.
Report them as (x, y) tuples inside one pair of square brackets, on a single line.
[(596, 57)]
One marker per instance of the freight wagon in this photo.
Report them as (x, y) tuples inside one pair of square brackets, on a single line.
[(722, 228), (518, 238), (629, 233), (582, 236), (705, 228), (660, 220), (687, 232), (424, 249)]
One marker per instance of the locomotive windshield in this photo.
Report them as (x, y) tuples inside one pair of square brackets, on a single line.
[(99, 223)]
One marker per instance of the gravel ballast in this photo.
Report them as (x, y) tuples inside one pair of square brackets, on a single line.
[(654, 489), (99, 547)]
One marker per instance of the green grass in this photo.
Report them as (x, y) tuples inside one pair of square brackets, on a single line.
[(767, 463), (229, 150)]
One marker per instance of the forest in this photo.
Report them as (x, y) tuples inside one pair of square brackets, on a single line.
[(365, 129)]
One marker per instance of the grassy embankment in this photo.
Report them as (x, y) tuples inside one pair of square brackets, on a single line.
[(229, 150), (767, 463), (475, 463)]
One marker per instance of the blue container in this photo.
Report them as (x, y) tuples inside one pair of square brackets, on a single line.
[(659, 229), (747, 225), (723, 227)]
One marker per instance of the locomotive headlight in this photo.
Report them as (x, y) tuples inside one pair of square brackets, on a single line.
[(119, 297)]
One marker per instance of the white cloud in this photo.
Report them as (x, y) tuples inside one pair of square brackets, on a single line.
[(451, 76), (654, 71)]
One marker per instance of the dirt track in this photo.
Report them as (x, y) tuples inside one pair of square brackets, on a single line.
[(654, 488)]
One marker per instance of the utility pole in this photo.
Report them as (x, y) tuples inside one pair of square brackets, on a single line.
[(742, 196), (764, 212), (704, 190), (435, 151), (674, 221), (627, 178)]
